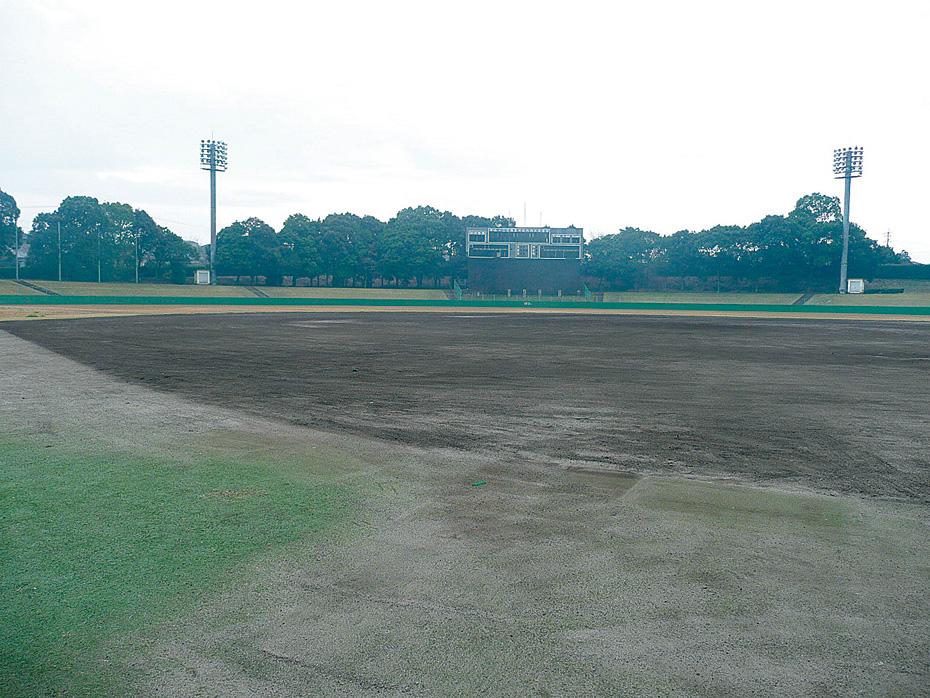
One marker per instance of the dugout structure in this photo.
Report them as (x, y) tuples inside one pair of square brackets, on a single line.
[(518, 259)]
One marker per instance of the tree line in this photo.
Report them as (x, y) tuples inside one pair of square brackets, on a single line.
[(95, 242), (424, 246), (800, 251), (418, 246)]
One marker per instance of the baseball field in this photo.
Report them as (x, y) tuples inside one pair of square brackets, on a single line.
[(461, 502)]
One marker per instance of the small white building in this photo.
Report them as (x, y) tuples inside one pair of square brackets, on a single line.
[(855, 285)]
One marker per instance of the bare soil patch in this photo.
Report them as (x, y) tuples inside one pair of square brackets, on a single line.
[(838, 405)]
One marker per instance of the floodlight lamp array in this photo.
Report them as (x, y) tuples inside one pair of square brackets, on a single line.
[(847, 162), (213, 155)]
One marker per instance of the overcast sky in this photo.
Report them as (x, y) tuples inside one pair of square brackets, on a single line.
[(660, 115)]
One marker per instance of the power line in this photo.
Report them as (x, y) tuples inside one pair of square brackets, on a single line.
[(157, 219), (169, 220)]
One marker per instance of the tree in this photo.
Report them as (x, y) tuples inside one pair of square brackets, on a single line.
[(163, 256), (887, 255), (108, 232), (788, 252), (339, 239), (721, 252), (800, 251), (84, 225), (681, 256), (118, 245), (421, 242), (9, 225), (249, 248), (817, 208), (300, 254), (623, 258), (366, 245)]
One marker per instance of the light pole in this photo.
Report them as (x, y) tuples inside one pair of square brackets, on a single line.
[(213, 159), (847, 163)]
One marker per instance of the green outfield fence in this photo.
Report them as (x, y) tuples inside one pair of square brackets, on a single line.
[(453, 304)]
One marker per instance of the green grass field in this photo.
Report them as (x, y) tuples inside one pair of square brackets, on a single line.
[(88, 288), (899, 299), (82, 288), (689, 297), (917, 293), (11, 288), (102, 546), (914, 295), (325, 292)]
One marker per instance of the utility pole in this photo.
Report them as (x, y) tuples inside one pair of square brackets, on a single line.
[(213, 158), (847, 163), (59, 250), (137, 255), (98, 254), (16, 250)]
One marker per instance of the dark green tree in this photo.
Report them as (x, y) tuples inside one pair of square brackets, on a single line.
[(622, 260), (366, 244), (108, 231), (336, 243), (249, 248), (681, 255), (800, 251), (163, 256), (9, 225), (821, 243), (300, 253), (720, 249), (118, 244), (421, 243), (818, 208), (84, 239)]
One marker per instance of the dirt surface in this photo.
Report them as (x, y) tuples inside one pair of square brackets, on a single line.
[(544, 581), (838, 405)]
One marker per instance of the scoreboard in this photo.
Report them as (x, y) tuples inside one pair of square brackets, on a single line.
[(532, 259), (525, 243)]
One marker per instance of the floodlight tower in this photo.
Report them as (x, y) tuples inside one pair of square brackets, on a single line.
[(847, 163), (213, 158)]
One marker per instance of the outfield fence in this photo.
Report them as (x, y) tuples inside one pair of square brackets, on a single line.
[(34, 300)]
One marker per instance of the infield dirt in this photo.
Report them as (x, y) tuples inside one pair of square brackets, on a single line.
[(838, 405)]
